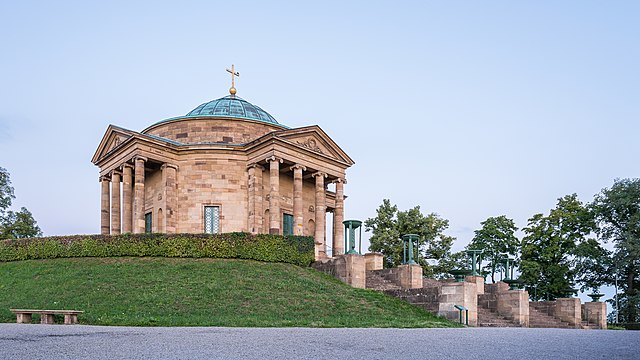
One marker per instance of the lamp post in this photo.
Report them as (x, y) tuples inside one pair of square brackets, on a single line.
[(350, 235), (407, 248)]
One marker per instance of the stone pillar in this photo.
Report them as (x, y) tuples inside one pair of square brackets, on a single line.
[(170, 198), (373, 261), (298, 228), (595, 313), (321, 247), (514, 304), (115, 202), (569, 310), (458, 293), (105, 214), (410, 276), (254, 189), (127, 198), (274, 194), (138, 195), (338, 218)]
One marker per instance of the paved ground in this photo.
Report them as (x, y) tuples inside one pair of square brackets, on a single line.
[(98, 342)]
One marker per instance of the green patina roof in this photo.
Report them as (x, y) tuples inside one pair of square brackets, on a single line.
[(235, 107)]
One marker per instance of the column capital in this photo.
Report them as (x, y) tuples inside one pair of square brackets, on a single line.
[(298, 166), (255, 166), (138, 157), (319, 173), (115, 172), (274, 158), (168, 165), (103, 178), (339, 180), (127, 165)]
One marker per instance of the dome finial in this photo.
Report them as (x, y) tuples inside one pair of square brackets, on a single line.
[(233, 72)]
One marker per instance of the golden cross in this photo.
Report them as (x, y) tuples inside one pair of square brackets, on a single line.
[(233, 80)]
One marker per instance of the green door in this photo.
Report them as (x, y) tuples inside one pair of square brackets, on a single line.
[(287, 224), (148, 225)]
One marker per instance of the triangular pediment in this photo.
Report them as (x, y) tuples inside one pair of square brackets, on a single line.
[(113, 138), (313, 138)]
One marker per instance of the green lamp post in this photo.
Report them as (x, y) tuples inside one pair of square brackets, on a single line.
[(350, 227), (407, 248), (475, 257)]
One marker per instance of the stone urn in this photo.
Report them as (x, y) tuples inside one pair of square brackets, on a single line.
[(595, 297)]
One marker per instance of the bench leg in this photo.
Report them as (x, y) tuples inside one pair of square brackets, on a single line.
[(47, 319), (23, 318), (70, 319)]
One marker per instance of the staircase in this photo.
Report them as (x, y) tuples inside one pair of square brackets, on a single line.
[(488, 314), (376, 280), (539, 316)]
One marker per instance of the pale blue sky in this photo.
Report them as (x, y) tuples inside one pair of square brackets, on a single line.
[(469, 109)]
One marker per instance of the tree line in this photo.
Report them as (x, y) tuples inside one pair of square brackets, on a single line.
[(560, 252), (14, 224)]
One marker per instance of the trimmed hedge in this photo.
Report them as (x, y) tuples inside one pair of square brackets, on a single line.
[(298, 250)]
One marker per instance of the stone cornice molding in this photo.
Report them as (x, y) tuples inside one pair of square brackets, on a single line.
[(298, 166), (274, 158)]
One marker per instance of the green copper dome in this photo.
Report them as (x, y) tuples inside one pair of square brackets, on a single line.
[(234, 107)]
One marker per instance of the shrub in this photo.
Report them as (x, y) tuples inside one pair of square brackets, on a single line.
[(298, 250)]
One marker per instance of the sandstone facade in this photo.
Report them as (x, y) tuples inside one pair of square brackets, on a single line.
[(223, 173)]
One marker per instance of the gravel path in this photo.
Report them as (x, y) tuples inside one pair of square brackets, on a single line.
[(100, 342)]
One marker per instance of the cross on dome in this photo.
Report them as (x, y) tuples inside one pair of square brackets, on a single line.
[(234, 73)]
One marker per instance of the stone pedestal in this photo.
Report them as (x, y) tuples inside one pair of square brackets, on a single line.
[(569, 310), (459, 293), (595, 313), (349, 268), (514, 304), (478, 280), (410, 276), (373, 261)]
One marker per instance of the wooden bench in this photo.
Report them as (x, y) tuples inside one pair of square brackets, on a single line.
[(46, 316)]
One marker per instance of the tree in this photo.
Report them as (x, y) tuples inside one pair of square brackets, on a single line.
[(18, 225), (14, 225), (617, 211), (496, 238), (390, 224), (6, 191), (548, 249)]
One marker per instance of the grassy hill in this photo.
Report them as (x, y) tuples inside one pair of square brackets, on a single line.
[(199, 292)]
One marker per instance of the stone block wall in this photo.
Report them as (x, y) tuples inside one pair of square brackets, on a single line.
[(350, 269)]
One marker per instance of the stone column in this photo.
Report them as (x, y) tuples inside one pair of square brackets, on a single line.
[(274, 194), (298, 228), (321, 247), (169, 174), (115, 202), (338, 218), (255, 198), (138, 195), (105, 214), (127, 198)]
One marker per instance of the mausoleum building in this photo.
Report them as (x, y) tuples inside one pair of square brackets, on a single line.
[(226, 166)]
